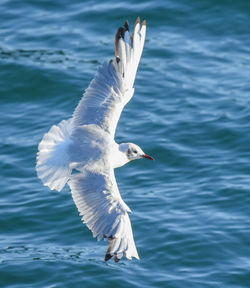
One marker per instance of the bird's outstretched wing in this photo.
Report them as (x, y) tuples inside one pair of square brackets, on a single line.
[(112, 87), (98, 200)]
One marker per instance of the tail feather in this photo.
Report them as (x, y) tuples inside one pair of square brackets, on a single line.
[(52, 158)]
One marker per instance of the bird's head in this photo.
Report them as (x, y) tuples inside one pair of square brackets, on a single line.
[(133, 151)]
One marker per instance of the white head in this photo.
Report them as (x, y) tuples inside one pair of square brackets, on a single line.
[(133, 151)]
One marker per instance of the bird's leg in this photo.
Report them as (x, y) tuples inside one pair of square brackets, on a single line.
[(108, 256)]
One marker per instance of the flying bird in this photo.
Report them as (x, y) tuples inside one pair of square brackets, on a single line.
[(82, 152)]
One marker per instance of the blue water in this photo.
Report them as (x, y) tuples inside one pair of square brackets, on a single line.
[(191, 111)]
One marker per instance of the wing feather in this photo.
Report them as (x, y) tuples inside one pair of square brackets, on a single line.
[(98, 201), (112, 87)]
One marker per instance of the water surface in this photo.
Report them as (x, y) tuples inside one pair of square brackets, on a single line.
[(191, 111)]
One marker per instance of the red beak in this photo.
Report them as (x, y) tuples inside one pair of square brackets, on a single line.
[(148, 157)]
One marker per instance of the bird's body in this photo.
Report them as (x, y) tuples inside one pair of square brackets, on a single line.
[(82, 152)]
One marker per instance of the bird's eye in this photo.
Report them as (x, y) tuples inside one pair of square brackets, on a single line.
[(134, 151)]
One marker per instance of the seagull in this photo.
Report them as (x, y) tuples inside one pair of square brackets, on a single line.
[(82, 152)]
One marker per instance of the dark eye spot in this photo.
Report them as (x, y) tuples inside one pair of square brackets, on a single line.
[(134, 151)]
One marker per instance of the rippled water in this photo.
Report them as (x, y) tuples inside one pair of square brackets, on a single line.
[(191, 111)]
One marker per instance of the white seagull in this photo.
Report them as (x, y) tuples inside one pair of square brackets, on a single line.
[(82, 152)]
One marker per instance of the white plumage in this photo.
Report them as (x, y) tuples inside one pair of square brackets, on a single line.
[(85, 144)]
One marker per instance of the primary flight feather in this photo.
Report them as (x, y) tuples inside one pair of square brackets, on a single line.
[(85, 143)]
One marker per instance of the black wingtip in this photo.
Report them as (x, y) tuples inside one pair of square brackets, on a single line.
[(119, 34), (126, 26), (116, 259), (117, 59), (107, 257)]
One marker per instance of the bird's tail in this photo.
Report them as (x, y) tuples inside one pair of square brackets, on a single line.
[(128, 51), (52, 158)]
